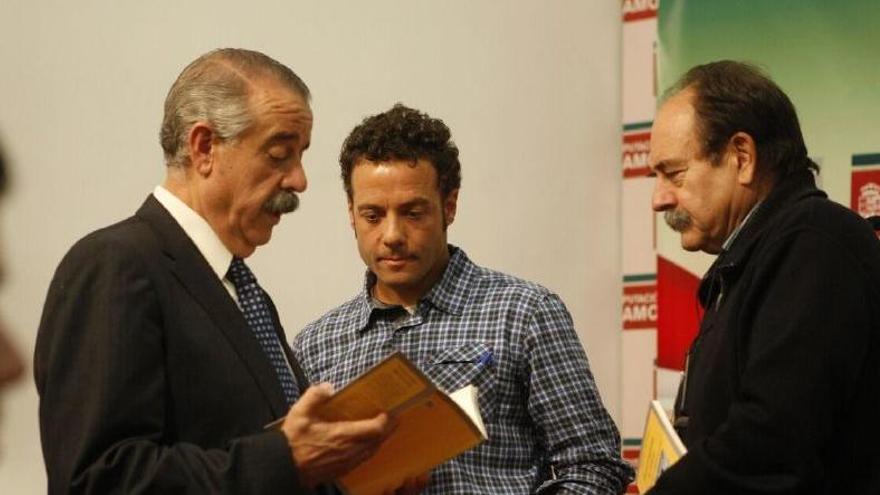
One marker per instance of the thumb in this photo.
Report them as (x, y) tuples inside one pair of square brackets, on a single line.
[(313, 398)]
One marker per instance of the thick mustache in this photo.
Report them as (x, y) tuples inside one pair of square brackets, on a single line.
[(282, 202), (677, 220)]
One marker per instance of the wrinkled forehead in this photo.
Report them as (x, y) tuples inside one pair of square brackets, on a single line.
[(268, 96), (674, 134)]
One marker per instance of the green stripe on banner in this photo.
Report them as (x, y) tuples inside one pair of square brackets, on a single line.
[(632, 442), (640, 277), (866, 159), (637, 126)]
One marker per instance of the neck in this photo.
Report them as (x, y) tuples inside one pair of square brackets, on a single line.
[(749, 199), (177, 184), (187, 189)]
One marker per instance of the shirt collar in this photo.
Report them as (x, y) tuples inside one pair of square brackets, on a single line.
[(198, 230), (733, 235), (448, 295)]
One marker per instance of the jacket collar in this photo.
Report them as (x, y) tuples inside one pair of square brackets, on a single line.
[(789, 191)]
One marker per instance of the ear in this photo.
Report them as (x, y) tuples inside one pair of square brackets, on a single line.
[(351, 216), (201, 148), (450, 205), (743, 152)]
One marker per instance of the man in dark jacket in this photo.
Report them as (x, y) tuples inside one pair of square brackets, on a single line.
[(782, 389)]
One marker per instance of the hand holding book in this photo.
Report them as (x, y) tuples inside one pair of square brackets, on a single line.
[(323, 449), (430, 427)]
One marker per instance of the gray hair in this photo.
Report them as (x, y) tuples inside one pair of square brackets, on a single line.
[(215, 88)]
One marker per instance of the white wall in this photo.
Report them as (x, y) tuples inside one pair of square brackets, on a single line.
[(529, 88)]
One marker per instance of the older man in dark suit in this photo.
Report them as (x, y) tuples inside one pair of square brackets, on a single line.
[(159, 359)]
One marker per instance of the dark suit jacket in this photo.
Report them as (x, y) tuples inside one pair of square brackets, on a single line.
[(150, 380)]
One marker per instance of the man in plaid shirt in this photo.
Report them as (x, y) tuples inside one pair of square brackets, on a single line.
[(461, 324)]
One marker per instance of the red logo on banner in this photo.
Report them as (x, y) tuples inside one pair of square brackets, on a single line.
[(866, 192), (634, 10), (639, 307), (680, 313), (635, 154)]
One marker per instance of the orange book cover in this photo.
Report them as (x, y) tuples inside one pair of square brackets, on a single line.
[(433, 426)]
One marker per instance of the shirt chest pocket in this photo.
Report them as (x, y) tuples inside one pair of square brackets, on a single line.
[(468, 364)]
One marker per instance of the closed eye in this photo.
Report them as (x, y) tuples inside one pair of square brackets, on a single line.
[(676, 176), (370, 216), (280, 153)]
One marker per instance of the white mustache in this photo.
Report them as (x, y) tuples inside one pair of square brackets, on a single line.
[(677, 220), (282, 202)]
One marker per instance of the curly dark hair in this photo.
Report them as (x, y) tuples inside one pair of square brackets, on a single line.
[(403, 133), (735, 96)]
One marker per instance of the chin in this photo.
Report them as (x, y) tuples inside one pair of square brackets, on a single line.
[(694, 247), (688, 247), (688, 243), (261, 237), (393, 279)]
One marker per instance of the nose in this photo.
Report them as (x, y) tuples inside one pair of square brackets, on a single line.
[(295, 178), (663, 198), (393, 233)]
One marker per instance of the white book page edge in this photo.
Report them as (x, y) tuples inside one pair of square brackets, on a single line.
[(466, 399)]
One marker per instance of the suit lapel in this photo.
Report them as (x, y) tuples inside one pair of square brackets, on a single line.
[(193, 272)]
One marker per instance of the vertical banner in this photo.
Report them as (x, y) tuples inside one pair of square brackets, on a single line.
[(639, 308)]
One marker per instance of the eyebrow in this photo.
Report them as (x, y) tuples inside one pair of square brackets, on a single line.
[(283, 137), (416, 202), (664, 165), (408, 204)]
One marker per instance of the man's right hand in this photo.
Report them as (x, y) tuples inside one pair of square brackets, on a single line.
[(324, 450)]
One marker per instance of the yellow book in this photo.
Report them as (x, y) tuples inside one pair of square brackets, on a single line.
[(661, 447), (433, 427)]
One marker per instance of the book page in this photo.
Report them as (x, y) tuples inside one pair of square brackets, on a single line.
[(467, 399)]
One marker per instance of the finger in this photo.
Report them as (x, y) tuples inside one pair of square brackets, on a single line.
[(313, 398), (373, 429), (352, 458)]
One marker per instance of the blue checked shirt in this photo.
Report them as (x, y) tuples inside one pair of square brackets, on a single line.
[(548, 430)]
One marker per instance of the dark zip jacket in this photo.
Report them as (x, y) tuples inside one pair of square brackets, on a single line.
[(782, 394)]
